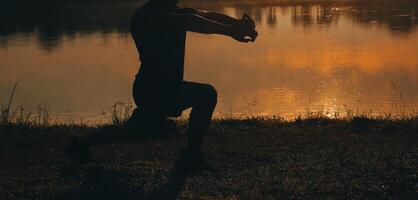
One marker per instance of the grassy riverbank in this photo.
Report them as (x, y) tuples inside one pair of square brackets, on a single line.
[(258, 158)]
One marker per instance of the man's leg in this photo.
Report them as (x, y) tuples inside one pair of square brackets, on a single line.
[(136, 127), (202, 98)]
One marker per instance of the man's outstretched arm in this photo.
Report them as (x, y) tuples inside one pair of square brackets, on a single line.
[(225, 19), (199, 24)]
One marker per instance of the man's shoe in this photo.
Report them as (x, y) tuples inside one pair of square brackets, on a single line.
[(192, 160), (78, 152)]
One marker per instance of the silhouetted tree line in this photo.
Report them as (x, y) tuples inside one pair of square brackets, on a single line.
[(64, 1), (52, 22)]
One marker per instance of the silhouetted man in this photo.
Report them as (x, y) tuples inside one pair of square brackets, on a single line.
[(159, 30)]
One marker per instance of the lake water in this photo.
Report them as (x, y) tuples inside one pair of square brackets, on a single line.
[(79, 59)]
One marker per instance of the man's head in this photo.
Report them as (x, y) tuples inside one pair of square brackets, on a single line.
[(163, 4)]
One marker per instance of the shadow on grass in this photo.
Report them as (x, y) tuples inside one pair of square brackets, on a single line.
[(172, 188), (100, 183)]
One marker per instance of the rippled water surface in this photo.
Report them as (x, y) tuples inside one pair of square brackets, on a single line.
[(80, 59)]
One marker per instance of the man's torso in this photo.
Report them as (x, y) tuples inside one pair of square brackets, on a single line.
[(160, 44)]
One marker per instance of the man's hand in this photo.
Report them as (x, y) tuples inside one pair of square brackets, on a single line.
[(244, 29), (240, 31), (253, 34)]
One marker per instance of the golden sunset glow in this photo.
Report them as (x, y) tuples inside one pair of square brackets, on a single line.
[(312, 57)]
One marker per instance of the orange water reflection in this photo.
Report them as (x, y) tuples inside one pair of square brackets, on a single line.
[(307, 57)]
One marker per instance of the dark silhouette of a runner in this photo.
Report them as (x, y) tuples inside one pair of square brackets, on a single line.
[(159, 91)]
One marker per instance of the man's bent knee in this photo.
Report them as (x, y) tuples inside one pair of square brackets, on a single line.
[(211, 95)]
